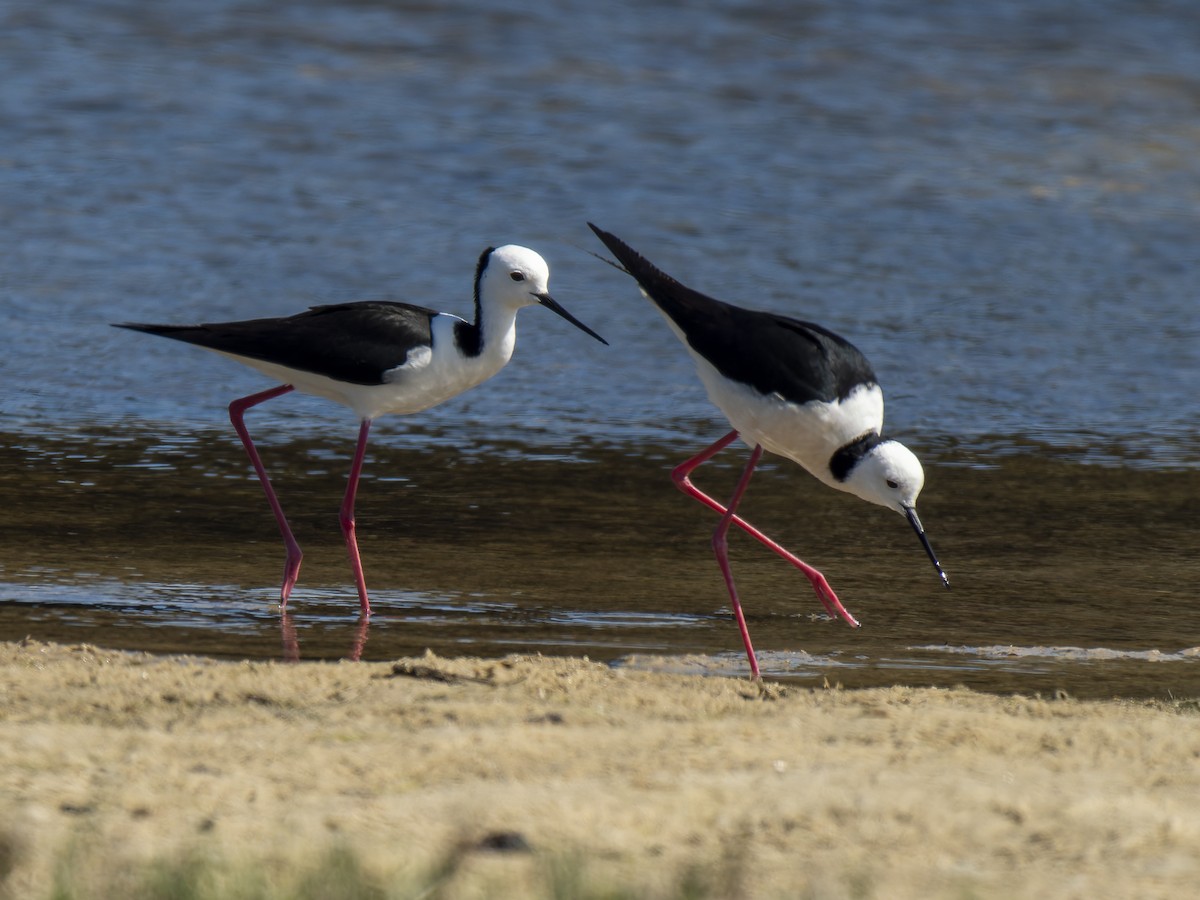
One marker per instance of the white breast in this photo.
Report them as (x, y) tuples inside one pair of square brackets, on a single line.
[(807, 433)]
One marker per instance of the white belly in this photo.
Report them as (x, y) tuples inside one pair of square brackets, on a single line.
[(808, 434)]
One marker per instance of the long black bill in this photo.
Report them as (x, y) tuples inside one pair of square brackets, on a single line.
[(911, 514), (551, 304)]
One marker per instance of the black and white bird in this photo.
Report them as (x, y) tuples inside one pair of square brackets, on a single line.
[(376, 357), (792, 388)]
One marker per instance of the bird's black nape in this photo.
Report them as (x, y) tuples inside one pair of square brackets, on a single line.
[(479, 269)]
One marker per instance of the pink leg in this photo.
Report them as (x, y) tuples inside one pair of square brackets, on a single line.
[(681, 476), (347, 517), (720, 542), (237, 409)]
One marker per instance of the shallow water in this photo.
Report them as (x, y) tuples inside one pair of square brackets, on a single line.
[(133, 542), (996, 201)]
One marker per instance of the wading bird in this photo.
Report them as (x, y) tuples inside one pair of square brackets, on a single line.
[(376, 358), (792, 388)]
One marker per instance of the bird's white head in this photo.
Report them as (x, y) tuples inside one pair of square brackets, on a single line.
[(891, 475), (511, 277)]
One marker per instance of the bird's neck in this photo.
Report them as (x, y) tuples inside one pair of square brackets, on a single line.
[(842, 463), (490, 337)]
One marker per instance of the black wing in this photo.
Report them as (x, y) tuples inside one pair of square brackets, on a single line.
[(771, 353), (351, 342)]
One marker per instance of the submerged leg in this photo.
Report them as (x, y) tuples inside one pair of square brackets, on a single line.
[(347, 517), (237, 409), (720, 542), (681, 476)]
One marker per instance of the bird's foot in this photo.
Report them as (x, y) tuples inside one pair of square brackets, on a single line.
[(291, 573), (830, 601)]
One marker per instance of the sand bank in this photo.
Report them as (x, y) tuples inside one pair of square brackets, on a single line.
[(892, 793)]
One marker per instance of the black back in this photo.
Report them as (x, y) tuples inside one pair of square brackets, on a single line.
[(350, 342), (771, 353)]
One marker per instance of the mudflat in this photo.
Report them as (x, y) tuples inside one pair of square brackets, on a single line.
[(110, 760)]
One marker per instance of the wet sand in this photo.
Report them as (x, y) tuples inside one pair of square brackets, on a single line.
[(893, 793)]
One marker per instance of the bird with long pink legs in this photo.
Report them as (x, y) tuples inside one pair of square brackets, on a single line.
[(792, 388), (376, 358)]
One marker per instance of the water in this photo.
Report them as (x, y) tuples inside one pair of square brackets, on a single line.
[(995, 201)]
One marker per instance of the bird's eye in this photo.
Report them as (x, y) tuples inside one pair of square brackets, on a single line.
[(517, 276), (892, 484)]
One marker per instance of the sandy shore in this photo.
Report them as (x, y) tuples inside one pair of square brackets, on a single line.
[(889, 793)]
